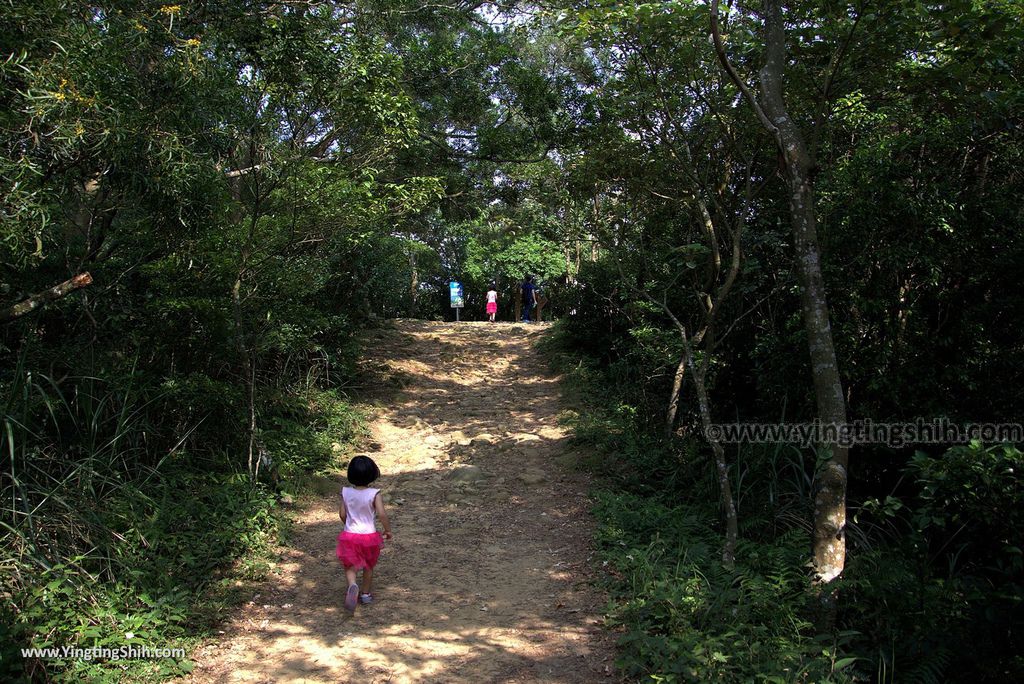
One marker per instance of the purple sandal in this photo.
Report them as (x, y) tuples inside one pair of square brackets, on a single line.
[(352, 598)]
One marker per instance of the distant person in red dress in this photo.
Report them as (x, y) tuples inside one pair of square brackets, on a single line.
[(492, 303)]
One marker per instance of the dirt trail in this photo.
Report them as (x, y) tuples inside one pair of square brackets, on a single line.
[(487, 579)]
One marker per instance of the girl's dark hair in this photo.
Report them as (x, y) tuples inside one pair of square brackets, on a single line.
[(362, 471)]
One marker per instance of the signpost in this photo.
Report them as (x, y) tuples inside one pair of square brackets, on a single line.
[(455, 292)]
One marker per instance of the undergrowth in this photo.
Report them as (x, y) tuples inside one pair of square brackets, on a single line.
[(109, 543), (910, 593)]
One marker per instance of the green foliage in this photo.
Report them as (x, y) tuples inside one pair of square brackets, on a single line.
[(306, 434), (688, 619), (169, 550), (251, 183), (682, 615), (100, 541), (937, 567), (507, 257), (974, 488)]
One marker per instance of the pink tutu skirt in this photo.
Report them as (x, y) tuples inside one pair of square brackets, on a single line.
[(359, 550), (492, 307)]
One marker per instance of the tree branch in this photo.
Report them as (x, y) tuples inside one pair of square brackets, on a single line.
[(40, 298), (716, 34)]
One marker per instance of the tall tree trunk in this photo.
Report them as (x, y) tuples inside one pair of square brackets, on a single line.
[(721, 467), (829, 544), (248, 370), (830, 481), (674, 397), (414, 283), (704, 408)]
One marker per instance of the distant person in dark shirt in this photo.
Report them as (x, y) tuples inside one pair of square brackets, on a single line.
[(529, 297)]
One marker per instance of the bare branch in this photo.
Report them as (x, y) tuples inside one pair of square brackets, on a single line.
[(40, 298), (716, 34), (235, 173)]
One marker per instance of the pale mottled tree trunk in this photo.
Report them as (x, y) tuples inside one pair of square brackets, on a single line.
[(673, 399), (829, 546), (830, 482)]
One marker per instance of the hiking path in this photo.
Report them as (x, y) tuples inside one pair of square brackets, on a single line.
[(489, 577)]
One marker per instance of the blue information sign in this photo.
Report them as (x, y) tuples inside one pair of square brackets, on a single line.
[(455, 290)]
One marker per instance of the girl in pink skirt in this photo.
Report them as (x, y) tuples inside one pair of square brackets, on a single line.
[(359, 543), (492, 303)]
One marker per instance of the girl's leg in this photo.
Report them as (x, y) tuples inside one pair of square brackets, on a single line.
[(351, 591), (367, 587)]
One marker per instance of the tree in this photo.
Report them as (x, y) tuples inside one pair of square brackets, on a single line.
[(799, 166)]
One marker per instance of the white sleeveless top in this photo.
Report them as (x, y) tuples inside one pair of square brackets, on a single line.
[(492, 296), (359, 513)]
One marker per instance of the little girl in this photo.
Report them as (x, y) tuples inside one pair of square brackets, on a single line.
[(359, 543), (492, 303)]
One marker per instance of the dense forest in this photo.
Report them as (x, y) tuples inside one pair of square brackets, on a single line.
[(764, 213)]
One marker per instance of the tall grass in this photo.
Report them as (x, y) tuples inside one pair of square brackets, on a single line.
[(104, 530), (66, 453)]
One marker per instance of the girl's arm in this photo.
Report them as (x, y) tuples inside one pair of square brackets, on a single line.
[(342, 513), (378, 506)]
